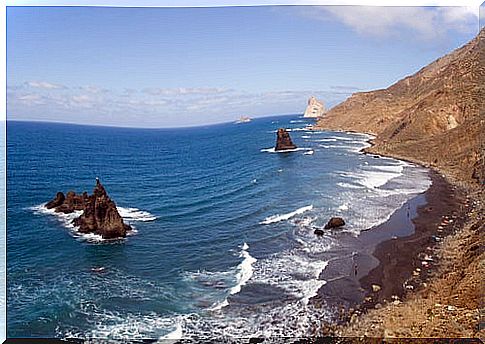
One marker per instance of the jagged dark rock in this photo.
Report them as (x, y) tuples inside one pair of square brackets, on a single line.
[(335, 222), (283, 140), (56, 201), (72, 202), (99, 216), (319, 232)]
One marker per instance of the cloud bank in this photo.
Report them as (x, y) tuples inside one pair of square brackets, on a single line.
[(417, 23), (154, 107)]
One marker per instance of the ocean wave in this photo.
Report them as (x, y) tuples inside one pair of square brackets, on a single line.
[(277, 218), (326, 140), (272, 150), (299, 129), (244, 273), (135, 215), (310, 152), (349, 185)]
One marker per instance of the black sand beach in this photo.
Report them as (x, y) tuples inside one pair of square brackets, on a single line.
[(382, 269)]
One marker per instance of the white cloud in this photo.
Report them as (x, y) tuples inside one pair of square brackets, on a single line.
[(44, 85), (424, 23), (184, 91), (156, 108)]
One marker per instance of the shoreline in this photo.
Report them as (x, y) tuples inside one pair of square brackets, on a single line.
[(397, 271), (371, 265)]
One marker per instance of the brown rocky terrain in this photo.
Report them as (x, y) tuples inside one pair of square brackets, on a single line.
[(434, 117)]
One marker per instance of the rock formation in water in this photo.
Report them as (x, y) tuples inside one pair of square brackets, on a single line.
[(283, 140), (335, 222), (434, 117), (99, 216), (315, 108)]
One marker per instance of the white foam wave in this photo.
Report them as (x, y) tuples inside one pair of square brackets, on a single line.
[(135, 215), (284, 217), (66, 219), (245, 269), (299, 129), (310, 152), (376, 178), (341, 138), (344, 206), (244, 273), (349, 185), (176, 334), (272, 150), (327, 140)]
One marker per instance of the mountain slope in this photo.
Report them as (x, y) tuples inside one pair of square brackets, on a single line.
[(435, 116)]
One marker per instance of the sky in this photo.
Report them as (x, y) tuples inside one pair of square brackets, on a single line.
[(172, 67)]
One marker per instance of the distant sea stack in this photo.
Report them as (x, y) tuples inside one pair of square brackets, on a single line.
[(314, 109), (99, 216), (283, 140), (243, 119)]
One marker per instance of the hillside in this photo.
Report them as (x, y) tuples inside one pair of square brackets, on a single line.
[(435, 116)]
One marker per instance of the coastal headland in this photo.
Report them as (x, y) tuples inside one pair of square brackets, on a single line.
[(427, 279)]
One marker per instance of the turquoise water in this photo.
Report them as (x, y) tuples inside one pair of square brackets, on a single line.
[(224, 241)]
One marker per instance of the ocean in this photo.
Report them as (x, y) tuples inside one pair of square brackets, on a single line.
[(223, 242)]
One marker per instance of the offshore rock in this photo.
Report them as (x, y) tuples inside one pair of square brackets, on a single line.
[(99, 216), (283, 140), (335, 222), (314, 109), (56, 201)]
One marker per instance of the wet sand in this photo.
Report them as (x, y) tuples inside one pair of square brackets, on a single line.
[(381, 263)]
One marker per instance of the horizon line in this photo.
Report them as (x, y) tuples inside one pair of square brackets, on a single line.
[(144, 128)]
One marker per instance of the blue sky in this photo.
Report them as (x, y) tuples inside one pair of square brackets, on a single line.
[(165, 67)]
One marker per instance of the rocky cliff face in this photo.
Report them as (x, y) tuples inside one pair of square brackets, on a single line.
[(99, 216), (283, 140), (434, 116), (315, 108)]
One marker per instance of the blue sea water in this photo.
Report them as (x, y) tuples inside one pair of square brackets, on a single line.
[(223, 242)]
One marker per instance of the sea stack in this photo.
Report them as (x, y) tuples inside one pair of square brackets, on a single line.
[(99, 216), (314, 109), (283, 140)]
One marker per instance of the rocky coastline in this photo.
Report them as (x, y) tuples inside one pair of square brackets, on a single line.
[(442, 261)]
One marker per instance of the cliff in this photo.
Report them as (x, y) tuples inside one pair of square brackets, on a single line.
[(434, 117), (315, 108)]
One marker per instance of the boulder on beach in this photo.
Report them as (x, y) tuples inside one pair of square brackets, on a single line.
[(319, 232), (100, 215), (283, 140), (335, 222)]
